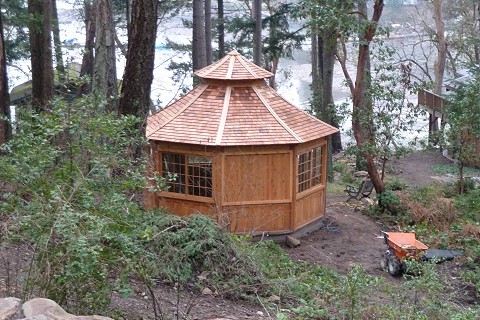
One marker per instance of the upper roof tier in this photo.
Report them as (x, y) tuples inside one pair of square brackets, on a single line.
[(241, 111), (233, 66)]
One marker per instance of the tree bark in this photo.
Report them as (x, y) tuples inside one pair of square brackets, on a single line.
[(105, 71), (208, 32), (476, 14), (329, 45), (323, 59), (257, 35), (199, 56), (88, 54), (439, 69), (138, 76), (362, 114), (5, 128), (221, 30), (57, 42), (41, 52)]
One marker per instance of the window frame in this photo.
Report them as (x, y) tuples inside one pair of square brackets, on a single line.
[(310, 164), (191, 180)]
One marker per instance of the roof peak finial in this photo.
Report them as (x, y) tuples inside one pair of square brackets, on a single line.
[(233, 53)]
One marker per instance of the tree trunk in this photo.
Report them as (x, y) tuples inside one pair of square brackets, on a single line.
[(138, 76), (362, 114), (221, 30), (5, 128), (105, 71), (329, 45), (88, 54), (439, 69), (257, 35), (476, 14), (41, 52), (199, 53), (208, 32), (57, 42)]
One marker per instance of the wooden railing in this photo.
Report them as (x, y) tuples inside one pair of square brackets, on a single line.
[(431, 101)]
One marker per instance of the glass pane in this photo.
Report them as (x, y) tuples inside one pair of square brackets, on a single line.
[(173, 170), (200, 176)]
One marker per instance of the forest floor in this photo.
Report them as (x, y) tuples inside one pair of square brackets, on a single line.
[(351, 238)]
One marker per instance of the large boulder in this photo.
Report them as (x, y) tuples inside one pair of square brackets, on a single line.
[(40, 309), (10, 308)]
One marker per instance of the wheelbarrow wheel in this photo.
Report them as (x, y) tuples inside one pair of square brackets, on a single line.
[(394, 266), (384, 259)]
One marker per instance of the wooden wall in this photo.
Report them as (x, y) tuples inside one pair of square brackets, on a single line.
[(310, 204), (254, 188)]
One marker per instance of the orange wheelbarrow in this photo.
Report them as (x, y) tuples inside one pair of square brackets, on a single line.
[(401, 246)]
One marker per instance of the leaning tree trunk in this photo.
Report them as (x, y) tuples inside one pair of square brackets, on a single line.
[(5, 128), (138, 76), (362, 114), (41, 52)]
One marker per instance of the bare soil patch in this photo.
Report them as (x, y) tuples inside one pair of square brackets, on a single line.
[(416, 168), (349, 237)]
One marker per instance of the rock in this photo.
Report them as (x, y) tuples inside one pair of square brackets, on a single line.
[(46, 309), (260, 313), (39, 306), (207, 291), (90, 318), (273, 298), (360, 174), (291, 242), (368, 202), (10, 308)]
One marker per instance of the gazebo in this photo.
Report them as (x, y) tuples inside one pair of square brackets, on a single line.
[(234, 149)]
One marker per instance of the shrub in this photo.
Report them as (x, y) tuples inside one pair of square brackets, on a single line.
[(391, 202), (71, 175), (395, 185), (469, 204)]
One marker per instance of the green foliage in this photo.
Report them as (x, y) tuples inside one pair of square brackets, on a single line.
[(279, 41), (71, 176), (469, 205), (196, 250), (395, 185), (452, 169), (353, 287), (463, 113), (15, 25), (391, 202), (427, 194)]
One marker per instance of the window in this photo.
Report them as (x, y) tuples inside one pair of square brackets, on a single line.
[(309, 169), (187, 174)]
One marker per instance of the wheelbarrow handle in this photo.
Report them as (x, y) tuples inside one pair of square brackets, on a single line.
[(385, 237)]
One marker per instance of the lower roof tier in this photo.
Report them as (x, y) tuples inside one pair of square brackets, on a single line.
[(219, 114)]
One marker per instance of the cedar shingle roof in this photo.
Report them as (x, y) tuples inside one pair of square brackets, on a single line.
[(233, 66), (234, 112)]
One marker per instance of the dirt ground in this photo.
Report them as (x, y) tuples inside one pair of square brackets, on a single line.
[(355, 238), (349, 237)]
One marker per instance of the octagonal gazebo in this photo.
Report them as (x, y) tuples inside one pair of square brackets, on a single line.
[(234, 149)]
